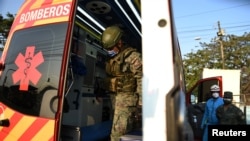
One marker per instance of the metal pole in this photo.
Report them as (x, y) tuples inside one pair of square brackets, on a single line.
[(222, 54), (220, 34)]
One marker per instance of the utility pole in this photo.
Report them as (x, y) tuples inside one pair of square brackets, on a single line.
[(220, 34)]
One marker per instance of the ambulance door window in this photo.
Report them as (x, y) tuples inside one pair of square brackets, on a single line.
[(32, 67)]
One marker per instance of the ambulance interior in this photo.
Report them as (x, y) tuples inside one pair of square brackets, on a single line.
[(88, 108)]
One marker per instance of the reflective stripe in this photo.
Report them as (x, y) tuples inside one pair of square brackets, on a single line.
[(24, 128)]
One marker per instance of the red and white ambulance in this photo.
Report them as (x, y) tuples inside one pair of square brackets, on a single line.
[(53, 59)]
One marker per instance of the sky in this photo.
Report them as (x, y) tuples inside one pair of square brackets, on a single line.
[(10, 6), (194, 19), (198, 19)]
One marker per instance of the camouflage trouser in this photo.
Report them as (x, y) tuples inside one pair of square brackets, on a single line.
[(124, 109)]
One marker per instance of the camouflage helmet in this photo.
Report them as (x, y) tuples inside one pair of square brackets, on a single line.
[(111, 36), (214, 88)]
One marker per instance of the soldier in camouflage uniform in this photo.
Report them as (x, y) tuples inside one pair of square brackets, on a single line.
[(228, 113), (124, 76)]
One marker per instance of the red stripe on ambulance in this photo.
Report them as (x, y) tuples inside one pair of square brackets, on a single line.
[(33, 129), (13, 121)]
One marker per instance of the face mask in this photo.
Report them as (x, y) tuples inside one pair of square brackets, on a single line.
[(215, 94), (112, 53), (227, 101)]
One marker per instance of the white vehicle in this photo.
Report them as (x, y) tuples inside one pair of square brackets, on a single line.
[(231, 80)]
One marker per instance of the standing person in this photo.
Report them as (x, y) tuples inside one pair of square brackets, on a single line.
[(209, 117), (124, 79), (228, 113)]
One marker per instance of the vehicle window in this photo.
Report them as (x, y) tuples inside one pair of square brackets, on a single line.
[(32, 66)]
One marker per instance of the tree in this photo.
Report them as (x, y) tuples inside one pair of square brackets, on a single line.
[(5, 25), (236, 56)]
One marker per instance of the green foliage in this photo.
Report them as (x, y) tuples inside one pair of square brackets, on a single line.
[(5, 24), (236, 56)]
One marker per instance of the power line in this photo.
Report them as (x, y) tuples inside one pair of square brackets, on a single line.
[(205, 12), (206, 28), (203, 26), (202, 30)]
